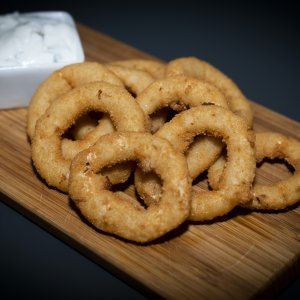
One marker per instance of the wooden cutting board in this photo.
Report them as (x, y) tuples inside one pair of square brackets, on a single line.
[(240, 256)]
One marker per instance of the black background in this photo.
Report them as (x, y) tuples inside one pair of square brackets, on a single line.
[(257, 45)]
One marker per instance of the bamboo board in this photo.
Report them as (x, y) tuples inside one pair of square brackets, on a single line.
[(240, 256)]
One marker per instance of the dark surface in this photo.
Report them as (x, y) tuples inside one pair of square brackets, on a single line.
[(258, 46)]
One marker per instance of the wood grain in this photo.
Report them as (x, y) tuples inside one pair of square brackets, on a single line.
[(241, 256)]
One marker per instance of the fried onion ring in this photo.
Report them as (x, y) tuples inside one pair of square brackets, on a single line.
[(194, 67), (180, 92), (269, 197), (238, 175), (97, 96), (135, 82), (118, 213), (62, 81)]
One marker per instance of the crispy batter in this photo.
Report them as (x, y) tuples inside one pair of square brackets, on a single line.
[(133, 79), (153, 67)]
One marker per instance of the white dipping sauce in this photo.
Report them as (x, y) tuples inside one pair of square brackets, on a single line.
[(33, 40)]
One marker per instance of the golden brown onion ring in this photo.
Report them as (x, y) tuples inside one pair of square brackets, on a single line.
[(235, 186), (180, 92), (276, 196), (135, 81), (194, 67), (118, 213), (62, 81), (97, 96)]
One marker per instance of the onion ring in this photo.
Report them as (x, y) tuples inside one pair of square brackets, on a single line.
[(153, 67), (180, 92), (269, 197), (194, 67), (97, 96), (62, 81), (118, 213), (238, 175), (135, 82)]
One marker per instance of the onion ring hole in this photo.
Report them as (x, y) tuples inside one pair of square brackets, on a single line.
[(83, 126), (266, 169)]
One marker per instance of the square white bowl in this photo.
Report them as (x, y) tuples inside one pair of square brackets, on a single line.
[(18, 83)]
